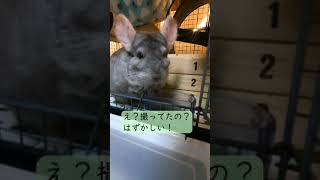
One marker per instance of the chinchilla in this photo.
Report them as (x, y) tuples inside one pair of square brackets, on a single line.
[(51, 58), (141, 66)]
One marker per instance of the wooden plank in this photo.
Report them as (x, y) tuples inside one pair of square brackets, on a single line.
[(182, 95), (261, 19), (187, 82), (196, 94), (184, 70), (187, 64), (262, 68), (277, 106)]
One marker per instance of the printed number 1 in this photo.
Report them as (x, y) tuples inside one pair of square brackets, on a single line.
[(274, 7), (195, 65)]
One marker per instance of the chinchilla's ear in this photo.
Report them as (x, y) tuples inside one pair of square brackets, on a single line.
[(124, 31), (169, 31)]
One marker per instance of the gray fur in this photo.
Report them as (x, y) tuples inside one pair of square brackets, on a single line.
[(48, 55), (134, 76)]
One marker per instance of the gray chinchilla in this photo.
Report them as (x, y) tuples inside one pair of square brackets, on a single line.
[(141, 66)]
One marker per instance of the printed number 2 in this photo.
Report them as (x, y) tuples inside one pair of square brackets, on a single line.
[(193, 83), (274, 7), (270, 63)]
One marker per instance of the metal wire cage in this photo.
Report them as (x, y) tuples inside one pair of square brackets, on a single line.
[(149, 103), (22, 147)]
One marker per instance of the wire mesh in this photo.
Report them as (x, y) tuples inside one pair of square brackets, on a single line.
[(114, 46), (131, 102), (198, 19), (41, 140)]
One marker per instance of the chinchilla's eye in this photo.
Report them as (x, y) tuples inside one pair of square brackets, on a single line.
[(140, 55), (130, 54), (164, 51)]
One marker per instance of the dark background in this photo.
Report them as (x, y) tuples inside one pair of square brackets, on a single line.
[(55, 53)]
